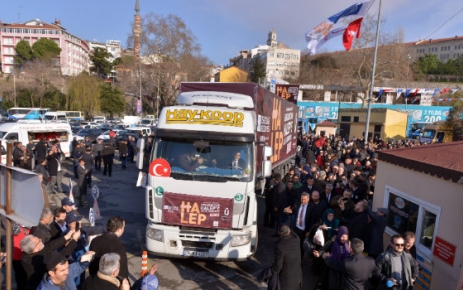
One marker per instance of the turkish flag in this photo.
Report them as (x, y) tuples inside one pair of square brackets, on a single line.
[(160, 167), (353, 30)]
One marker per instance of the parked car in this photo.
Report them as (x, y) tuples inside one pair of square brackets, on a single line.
[(75, 127), (105, 135), (91, 133)]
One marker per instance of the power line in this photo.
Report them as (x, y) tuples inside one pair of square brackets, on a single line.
[(427, 37)]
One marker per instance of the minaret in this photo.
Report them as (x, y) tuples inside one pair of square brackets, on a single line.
[(136, 30)]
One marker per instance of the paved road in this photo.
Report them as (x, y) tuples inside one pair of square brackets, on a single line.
[(119, 196)]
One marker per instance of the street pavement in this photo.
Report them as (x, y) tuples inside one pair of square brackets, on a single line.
[(120, 197)]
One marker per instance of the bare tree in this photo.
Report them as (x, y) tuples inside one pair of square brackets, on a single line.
[(169, 55)]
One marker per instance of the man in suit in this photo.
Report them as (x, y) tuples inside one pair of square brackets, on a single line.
[(302, 216), (237, 162), (82, 173), (357, 269), (286, 268), (58, 226)]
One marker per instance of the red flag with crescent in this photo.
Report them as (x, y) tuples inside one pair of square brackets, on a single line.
[(353, 30), (159, 167)]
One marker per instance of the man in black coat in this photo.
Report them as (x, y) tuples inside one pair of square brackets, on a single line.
[(286, 269), (357, 220), (55, 167), (110, 243), (280, 201), (41, 149), (357, 269)]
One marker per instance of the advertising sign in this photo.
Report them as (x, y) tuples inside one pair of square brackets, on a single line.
[(197, 211), (444, 251), (288, 92)]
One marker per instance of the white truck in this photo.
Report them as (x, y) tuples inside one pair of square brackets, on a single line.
[(210, 211), (25, 130)]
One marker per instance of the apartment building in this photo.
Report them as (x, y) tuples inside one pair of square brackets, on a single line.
[(74, 57), (444, 48), (281, 62)]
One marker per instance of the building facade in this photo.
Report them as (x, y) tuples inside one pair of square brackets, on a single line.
[(444, 48), (74, 57), (421, 187), (281, 62)]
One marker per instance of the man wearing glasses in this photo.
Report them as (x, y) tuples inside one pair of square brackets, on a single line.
[(396, 268)]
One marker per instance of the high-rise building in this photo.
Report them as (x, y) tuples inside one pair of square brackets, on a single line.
[(74, 56)]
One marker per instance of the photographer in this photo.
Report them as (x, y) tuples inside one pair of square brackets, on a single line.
[(344, 198), (54, 166)]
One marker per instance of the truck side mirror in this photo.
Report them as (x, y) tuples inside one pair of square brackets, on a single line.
[(140, 153), (267, 152)]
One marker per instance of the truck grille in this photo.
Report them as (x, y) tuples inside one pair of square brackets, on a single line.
[(195, 244)]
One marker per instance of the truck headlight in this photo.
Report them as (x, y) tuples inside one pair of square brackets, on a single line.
[(240, 240), (155, 234)]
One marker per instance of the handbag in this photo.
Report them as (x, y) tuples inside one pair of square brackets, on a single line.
[(318, 238)]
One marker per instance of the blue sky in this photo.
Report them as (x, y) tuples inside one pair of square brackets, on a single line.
[(224, 27)]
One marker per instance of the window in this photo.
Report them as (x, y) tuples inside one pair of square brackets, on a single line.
[(378, 128), (345, 118), (271, 54), (356, 119), (288, 56), (408, 213), (8, 40), (280, 55)]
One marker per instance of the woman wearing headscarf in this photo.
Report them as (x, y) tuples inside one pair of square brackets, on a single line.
[(337, 250), (329, 224)]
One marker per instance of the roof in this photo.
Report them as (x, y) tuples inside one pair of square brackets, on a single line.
[(442, 160), (327, 124)]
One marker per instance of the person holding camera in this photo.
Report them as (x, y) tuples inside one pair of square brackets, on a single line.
[(54, 167), (395, 268)]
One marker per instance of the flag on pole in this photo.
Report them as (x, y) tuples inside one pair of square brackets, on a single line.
[(407, 92), (399, 92), (435, 92), (327, 29), (444, 91), (352, 30), (415, 92)]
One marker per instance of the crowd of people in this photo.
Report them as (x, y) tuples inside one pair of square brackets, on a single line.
[(56, 253), (323, 205)]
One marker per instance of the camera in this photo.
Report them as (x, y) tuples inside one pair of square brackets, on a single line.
[(345, 199)]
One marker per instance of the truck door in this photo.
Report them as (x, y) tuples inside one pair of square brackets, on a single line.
[(440, 137)]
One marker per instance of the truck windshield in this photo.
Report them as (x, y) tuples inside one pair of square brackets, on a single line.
[(206, 160)]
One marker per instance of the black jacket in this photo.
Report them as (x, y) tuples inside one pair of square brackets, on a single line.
[(53, 163), (287, 264), (357, 271), (108, 243)]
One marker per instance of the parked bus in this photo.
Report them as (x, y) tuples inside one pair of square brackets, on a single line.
[(73, 115), (27, 113)]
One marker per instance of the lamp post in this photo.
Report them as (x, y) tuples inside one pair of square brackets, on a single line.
[(14, 88), (141, 97)]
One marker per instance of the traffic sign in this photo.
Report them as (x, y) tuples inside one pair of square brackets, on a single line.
[(27, 198)]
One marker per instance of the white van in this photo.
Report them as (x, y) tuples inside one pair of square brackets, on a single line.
[(55, 117), (25, 130)]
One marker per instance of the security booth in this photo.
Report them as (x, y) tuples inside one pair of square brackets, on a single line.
[(422, 187), (384, 123)]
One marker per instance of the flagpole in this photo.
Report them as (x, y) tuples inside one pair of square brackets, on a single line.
[(370, 92)]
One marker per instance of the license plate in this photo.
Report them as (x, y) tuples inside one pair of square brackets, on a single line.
[(195, 254)]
